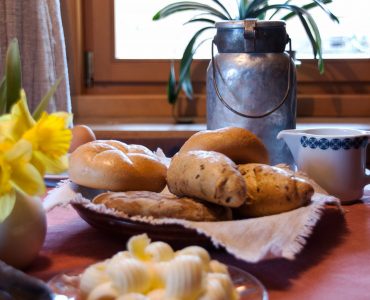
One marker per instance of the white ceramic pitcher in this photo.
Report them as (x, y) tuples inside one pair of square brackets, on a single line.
[(335, 158)]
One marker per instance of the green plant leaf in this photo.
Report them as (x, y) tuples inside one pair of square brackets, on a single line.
[(205, 20), (187, 86), (322, 5), (13, 74), (171, 85), (42, 106), (242, 7), (3, 96), (253, 6), (312, 29), (223, 8), (309, 34), (187, 60), (277, 10), (313, 5), (185, 6)]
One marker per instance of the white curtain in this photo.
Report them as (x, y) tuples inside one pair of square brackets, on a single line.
[(37, 25)]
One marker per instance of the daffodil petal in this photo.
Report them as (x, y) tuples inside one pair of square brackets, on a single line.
[(67, 117), (50, 165), (27, 178), (17, 122), (6, 127), (38, 163), (50, 137), (21, 112), (7, 202), (20, 152)]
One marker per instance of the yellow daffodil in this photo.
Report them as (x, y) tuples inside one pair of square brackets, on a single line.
[(28, 149), (30, 145), (50, 139), (49, 136), (15, 124), (17, 172)]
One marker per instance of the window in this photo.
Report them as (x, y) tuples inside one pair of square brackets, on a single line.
[(133, 89), (135, 30)]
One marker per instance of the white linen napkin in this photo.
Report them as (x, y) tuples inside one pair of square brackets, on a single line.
[(252, 240)]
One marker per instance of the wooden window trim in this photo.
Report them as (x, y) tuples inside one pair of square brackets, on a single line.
[(128, 85), (107, 69)]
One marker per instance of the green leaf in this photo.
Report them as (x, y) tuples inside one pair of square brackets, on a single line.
[(186, 6), (171, 85), (13, 74), (320, 4), (277, 10), (242, 7), (309, 34), (314, 4), (310, 26), (205, 20), (186, 61), (253, 6), (187, 86), (3, 96), (45, 100), (223, 8)]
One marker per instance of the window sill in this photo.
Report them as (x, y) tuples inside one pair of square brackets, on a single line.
[(183, 131)]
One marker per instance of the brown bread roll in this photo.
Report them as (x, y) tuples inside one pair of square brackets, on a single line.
[(207, 175), (115, 166), (300, 174), (272, 190), (239, 144), (162, 205)]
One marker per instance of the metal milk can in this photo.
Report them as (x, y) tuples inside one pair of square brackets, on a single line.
[(251, 82)]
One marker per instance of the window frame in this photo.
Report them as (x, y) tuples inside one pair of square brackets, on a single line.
[(131, 83)]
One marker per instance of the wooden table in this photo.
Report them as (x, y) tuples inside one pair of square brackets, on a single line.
[(335, 264)]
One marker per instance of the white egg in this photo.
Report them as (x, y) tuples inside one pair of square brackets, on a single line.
[(81, 134)]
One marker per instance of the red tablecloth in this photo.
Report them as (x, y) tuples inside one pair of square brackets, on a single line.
[(335, 263)]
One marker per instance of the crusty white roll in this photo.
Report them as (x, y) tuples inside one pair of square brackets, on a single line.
[(239, 144), (206, 175), (115, 166)]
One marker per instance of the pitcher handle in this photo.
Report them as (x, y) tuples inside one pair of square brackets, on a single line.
[(256, 116)]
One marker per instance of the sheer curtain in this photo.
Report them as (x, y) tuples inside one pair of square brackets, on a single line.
[(37, 25)]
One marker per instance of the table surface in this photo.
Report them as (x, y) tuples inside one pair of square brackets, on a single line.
[(335, 263)]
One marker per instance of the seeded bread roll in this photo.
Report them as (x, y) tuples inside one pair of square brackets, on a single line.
[(207, 175), (115, 166), (239, 144), (162, 205), (272, 190)]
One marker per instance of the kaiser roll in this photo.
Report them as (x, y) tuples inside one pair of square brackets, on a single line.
[(115, 166)]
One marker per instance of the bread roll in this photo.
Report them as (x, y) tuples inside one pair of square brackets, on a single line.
[(300, 174), (207, 175), (272, 190), (116, 166), (162, 205), (239, 144)]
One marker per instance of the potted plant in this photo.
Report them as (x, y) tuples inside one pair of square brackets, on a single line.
[(209, 15)]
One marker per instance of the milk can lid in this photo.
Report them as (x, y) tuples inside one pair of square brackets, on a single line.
[(240, 24)]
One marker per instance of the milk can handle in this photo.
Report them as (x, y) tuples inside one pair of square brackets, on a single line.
[(256, 116)]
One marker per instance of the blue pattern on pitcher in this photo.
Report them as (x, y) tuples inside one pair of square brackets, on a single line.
[(334, 144)]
